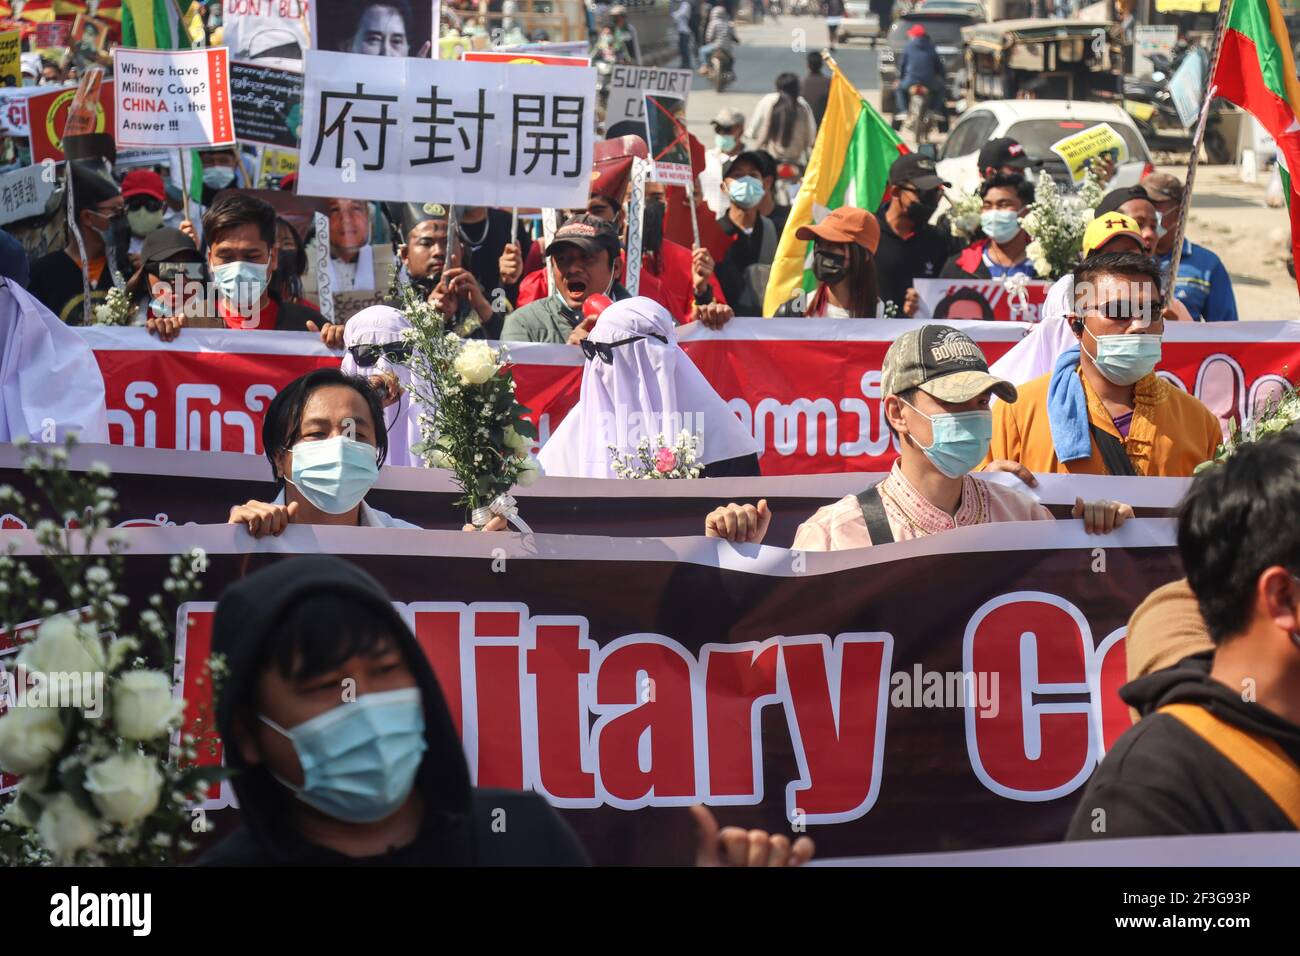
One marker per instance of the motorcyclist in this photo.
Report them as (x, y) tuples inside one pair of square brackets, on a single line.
[(718, 35), (921, 65)]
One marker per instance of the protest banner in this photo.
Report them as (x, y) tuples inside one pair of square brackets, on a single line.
[(819, 692), (269, 33), (274, 165), (52, 35), (487, 134), (47, 115), (669, 143), (1149, 40), (173, 98), (13, 110), (24, 192), (267, 104), (1079, 149), (985, 299), (536, 59), (11, 68), (373, 28), (567, 48), (629, 84), (809, 389)]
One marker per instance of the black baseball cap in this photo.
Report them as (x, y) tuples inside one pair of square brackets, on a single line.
[(760, 160), (588, 233), (165, 243), (1005, 151), (917, 170), (1118, 197)]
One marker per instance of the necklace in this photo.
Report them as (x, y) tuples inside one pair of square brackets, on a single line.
[(475, 243)]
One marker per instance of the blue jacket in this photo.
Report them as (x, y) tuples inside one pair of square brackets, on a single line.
[(1203, 284), (921, 64)]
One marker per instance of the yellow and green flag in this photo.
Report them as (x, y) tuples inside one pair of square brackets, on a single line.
[(161, 24), (849, 167)]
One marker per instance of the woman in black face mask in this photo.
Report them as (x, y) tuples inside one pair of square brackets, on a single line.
[(844, 264)]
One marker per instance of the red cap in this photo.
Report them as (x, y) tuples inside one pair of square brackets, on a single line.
[(916, 31), (143, 182)]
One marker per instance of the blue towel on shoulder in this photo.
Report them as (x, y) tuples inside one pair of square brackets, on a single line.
[(1067, 409)]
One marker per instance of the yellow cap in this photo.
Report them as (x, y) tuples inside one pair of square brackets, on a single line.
[(1106, 227)]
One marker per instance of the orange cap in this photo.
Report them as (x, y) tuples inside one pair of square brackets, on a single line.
[(845, 224)]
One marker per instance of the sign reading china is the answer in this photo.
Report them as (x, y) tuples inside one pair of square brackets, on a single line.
[(172, 98)]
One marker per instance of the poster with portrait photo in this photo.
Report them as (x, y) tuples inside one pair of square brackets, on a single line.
[(979, 299), (375, 27)]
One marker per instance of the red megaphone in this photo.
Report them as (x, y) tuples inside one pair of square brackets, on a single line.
[(593, 306)]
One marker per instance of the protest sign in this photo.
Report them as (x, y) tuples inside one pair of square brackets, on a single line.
[(373, 28), (985, 299), (173, 98), (1079, 149), (47, 115), (52, 35), (669, 142), (266, 32), (11, 70), (24, 192), (797, 690), (536, 59), (566, 48), (488, 134), (274, 165), (1187, 86), (808, 389), (1149, 40), (629, 84), (267, 104), (13, 109)]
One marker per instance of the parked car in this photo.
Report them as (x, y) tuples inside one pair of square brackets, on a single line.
[(1036, 125), (944, 27), (859, 21)]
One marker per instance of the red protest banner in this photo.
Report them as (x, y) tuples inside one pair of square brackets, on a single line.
[(47, 113), (537, 59)]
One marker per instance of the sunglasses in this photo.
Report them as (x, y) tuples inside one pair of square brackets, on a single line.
[(144, 202), (367, 355), (168, 271), (605, 350)]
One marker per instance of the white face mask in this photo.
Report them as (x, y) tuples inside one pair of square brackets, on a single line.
[(334, 474)]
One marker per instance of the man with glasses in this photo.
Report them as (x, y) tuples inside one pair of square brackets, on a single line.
[(910, 248), (1103, 410), (1204, 285)]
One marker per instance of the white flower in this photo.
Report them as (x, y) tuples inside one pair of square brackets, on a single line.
[(103, 314), (437, 458), (65, 828), (64, 646), (517, 442), (143, 705), (29, 738), (530, 472), (476, 363), (125, 787)]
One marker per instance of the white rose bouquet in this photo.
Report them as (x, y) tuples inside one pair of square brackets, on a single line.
[(964, 218), (115, 309), (1276, 416), (1055, 223), (658, 459), (92, 715), (471, 424)]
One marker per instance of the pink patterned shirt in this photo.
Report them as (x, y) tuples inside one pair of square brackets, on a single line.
[(840, 526)]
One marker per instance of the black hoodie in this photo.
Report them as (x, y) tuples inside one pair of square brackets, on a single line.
[(458, 825), (1162, 778)]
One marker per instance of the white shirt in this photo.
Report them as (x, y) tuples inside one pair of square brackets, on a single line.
[(354, 276), (370, 517)]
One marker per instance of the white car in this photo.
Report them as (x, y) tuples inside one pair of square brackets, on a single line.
[(858, 21), (1036, 125)]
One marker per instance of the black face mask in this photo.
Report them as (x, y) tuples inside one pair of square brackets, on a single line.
[(926, 205), (830, 267), (652, 230)]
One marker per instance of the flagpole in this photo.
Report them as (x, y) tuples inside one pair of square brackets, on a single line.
[(1220, 27)]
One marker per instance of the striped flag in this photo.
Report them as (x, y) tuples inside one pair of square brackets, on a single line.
[(161, 24), (849, 167), (1256, 71)]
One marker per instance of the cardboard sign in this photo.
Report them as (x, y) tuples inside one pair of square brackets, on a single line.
[(535, 59), (1186, 87), (13, 109), (47, 113), (669, 143), (267, 104), (173, 98), (629, 84), (53, 34), (275, 164), (24, 192), (1079, 149), (373, 28), (11, 69)]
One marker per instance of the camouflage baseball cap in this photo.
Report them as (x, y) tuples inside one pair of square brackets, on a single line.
[(944, 363)]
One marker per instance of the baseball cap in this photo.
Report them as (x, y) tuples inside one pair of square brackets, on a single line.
[(143, 182), (165, 242), (760, 160), (845, 224), (916, 31), (1162, 187), (588, 233), (944, 363), (915, 169), (1106, 227), (727, 118), (1118, 197), (1005, 151)]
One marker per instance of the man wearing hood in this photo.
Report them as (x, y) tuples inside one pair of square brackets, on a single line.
[(1217, 748), (341, 744)]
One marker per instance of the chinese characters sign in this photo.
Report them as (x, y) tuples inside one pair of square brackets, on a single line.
[(489, 134), (24, 192)]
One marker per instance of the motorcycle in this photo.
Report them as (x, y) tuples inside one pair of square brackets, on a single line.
[(918, 113), (721, 72), (1150, 103)]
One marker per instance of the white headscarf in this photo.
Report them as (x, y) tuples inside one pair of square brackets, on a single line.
[(380, 325), (651, 388), (47, 374)]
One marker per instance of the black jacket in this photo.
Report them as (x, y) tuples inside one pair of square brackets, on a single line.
[(900, 262), (458, 825), (1162, 778)]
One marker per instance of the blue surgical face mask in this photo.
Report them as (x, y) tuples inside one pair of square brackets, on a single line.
[(218, 177), (746, 192), (334, 474), (1124, 359), (241, 283), (359, 760), (961, 439), (724, 142), (1000, 225)]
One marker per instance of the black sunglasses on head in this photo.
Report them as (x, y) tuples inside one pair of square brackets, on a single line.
[(606, 349), (367, 355)]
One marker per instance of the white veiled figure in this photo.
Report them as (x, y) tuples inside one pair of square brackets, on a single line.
[(649, 387), (383, 325), (47, 374), (1035, 355)]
